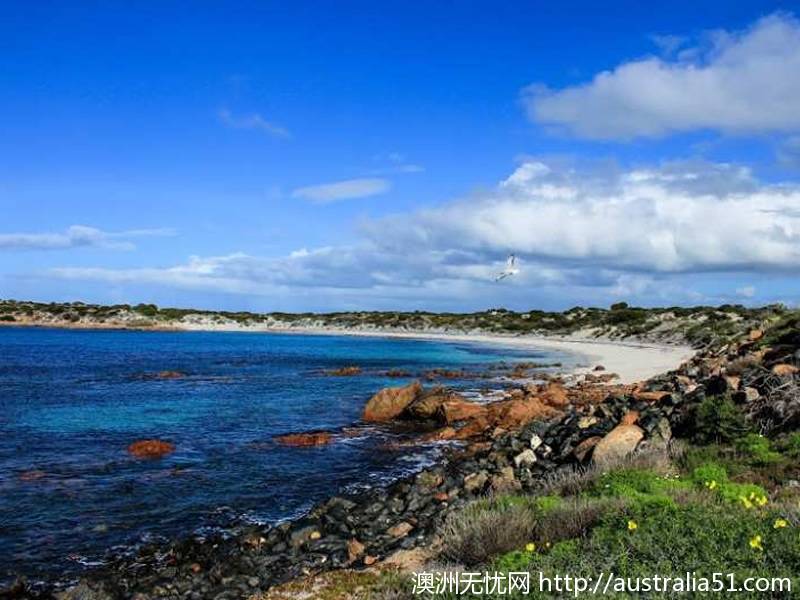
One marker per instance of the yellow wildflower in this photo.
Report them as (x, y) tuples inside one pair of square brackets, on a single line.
[(746, 502), (755, 543), (711, 484), (761, 500), (780, 524), (632, 525), (531, 547)]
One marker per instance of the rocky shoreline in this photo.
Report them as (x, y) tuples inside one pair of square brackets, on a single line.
[(519, 443)]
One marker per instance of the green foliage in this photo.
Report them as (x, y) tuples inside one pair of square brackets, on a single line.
[(640, 487), (704, 537), (718, 420), (758, 449), (790, 445), (147, 310), (7, 318)]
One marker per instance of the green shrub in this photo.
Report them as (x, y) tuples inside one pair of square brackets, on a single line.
[(718, 420), (701, 537), (640, 487), (791, 445), (758, 449), (483, 530)]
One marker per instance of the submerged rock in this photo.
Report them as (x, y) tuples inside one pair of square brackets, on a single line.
[(151, 448), (304, 440), (345, 371), (170, 375)]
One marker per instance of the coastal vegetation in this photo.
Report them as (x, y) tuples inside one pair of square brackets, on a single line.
[(699, 326)]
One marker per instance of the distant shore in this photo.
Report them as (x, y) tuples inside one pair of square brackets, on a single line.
[(631, 360)]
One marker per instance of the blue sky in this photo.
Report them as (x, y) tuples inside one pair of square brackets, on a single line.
[(325, 156)]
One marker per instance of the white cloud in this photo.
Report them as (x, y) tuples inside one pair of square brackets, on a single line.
[(394, 163), (343, 190), (253, 121), (687, 217), (737, 82), (76, 236), (747, 291), (578, 234)]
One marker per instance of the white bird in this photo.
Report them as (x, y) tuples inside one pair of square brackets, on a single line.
[(510, 269)]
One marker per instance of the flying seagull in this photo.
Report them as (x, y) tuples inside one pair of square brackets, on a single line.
[(510, 269)]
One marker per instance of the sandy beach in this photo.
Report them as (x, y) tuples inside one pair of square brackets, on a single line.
[(632, 361)]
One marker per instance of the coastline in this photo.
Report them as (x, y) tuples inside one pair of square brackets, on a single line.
[(385, 525), (632, 360)]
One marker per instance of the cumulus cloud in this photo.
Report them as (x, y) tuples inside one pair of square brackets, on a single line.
[(76, 236), (253, 121), (348, 189), (736, 82), (624, 233), (681, 217)]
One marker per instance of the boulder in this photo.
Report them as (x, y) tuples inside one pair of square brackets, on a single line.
[(445, 433), (428, 404), (402, 529), (505, 482), (514, 413), (429, 479), (304, 440), (630, 418), (525, 458), (555, 395), (475, 427), (460, 410), (751, 394), (389, 403), (647, 396), (617, 444), (582, 450), (474, 482), (733, 382), (151, 448), (354, 550), (303, 536), (756, 334), (784, 370)]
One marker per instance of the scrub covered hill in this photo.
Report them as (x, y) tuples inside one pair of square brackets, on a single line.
[(698, 326)]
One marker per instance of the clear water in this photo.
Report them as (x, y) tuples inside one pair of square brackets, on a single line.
[(72, 401)]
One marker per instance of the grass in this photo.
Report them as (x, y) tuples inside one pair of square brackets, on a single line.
[(703, 511)]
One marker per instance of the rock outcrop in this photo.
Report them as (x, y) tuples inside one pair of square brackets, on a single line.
[(389, 403)]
